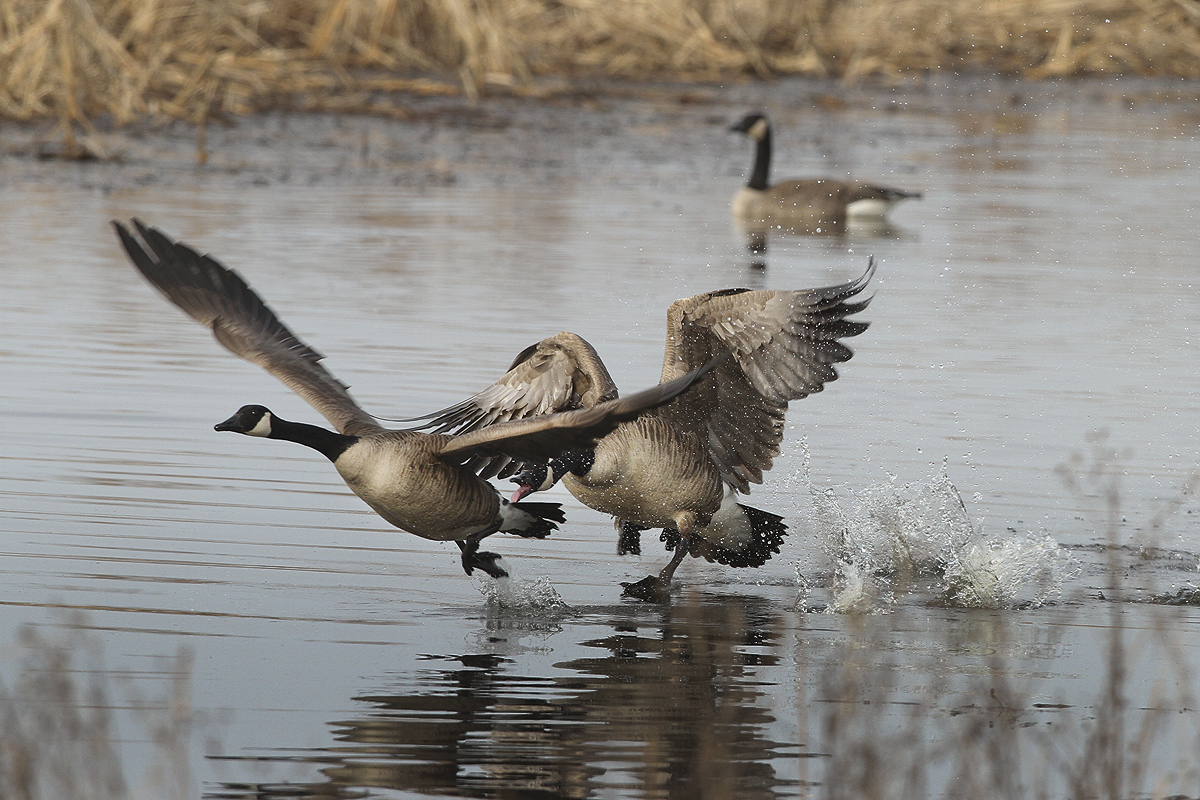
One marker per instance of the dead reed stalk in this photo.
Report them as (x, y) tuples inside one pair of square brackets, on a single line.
[(59, 732)]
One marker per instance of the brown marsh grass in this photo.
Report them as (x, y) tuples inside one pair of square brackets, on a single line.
[(77, 61)]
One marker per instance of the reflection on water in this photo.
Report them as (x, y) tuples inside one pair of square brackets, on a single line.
[(854, 231), (725, 696), (674, 707), (1043, 289)]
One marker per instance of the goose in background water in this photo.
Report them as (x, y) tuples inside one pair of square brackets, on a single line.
[(681, 466), (811, 205), (430, 485)]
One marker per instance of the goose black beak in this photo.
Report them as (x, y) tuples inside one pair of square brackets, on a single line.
[(231, 424)]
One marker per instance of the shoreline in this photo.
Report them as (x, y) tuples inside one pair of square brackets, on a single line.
[(306, 143)]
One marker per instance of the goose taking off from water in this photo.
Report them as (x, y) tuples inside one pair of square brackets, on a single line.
[(810, 205), (680, 466), (420, 482)]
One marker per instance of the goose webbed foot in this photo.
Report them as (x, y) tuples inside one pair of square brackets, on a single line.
[(657, 588), (649, 588), (629, 538), (473, 559)]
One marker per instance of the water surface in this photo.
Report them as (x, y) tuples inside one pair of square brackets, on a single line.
[(1034, 316)]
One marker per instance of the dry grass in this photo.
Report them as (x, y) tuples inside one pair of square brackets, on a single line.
[(78, 60)]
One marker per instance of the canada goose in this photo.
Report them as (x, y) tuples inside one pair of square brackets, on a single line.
[(809, 205), (680, 466), (421, 483)]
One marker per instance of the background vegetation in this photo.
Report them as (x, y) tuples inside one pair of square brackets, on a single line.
[(79, 61)]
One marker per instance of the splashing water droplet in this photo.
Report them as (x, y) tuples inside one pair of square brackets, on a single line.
[(517, 594), (891, 538)]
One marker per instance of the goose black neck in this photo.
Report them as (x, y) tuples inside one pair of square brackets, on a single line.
[(762, 162), (578, 462), (326, 442)]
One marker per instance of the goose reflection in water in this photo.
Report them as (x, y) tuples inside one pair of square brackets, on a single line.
[(757, 236), (670, 705)]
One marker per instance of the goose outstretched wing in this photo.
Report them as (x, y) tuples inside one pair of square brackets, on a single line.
[(219, 299), (559, 373), (784, 345), (542, 438)]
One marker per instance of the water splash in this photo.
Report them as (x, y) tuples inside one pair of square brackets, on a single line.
[(1023, 571), (856, 591), (517, 594), (896, 538), (1186, 595)]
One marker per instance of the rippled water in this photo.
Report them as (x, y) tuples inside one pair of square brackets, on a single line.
[(1026, 395)]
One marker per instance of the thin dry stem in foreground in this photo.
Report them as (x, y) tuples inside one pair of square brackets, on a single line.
[(59, 735)]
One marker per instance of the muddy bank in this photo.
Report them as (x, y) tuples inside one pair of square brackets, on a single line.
[(417, 139)]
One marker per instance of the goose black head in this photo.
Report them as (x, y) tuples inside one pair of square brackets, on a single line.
[(753, 125), (250, 420), (535, 477), (532, 478)]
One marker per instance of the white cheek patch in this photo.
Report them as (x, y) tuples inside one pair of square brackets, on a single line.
[(262, 427), (758, 130)]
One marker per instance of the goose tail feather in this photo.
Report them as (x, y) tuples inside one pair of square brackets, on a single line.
[(748, 537), (531, 520)]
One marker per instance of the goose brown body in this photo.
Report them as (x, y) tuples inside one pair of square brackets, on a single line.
[(404, 478), (806, 204), (651, 473)]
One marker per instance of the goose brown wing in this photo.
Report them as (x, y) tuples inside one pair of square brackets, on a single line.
[(784, 346), (820, 192), (867, 191), (218, 298), (543, 438), (559, 373), (831, 195)]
